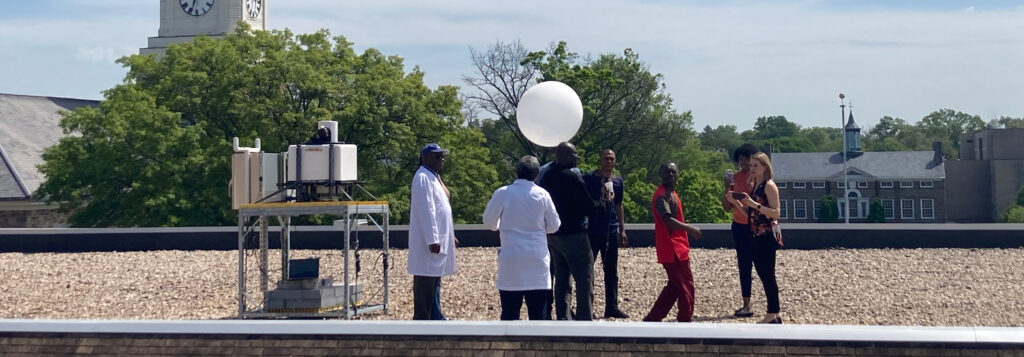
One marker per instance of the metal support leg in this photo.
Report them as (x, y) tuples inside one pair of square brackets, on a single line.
[(386, 257), (286, 245), (241, 266), (264, 265), (348, 295)]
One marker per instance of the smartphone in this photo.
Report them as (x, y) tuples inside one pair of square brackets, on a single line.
[(737, 195)]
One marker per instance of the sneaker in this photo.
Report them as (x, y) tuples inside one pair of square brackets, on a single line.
[(743, 312), (615, 313)]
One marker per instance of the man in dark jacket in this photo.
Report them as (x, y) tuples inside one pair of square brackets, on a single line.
[(570, 248)]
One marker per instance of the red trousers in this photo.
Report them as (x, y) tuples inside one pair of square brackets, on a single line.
[(679, 291)]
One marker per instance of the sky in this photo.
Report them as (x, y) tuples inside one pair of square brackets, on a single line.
[(727, 61)]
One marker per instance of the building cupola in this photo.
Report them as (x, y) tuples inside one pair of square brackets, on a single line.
[(852, 132)]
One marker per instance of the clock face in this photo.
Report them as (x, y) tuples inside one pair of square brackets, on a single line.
[(253, 7), (196, 7)]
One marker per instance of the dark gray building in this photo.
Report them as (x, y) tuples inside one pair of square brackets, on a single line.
[(910, 184), (985, 180)]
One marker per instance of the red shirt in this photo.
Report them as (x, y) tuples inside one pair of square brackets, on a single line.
[(740, 185), (671, 245)]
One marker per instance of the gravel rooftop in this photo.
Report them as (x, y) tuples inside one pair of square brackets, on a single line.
[(930, 287)]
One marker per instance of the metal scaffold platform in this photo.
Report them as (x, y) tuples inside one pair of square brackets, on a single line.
[(253, 234)]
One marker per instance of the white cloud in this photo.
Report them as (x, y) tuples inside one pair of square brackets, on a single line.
[(729, 62)]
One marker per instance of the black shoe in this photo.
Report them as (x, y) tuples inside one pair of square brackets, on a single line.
[(743, 312), (615, 313), (777, 320)]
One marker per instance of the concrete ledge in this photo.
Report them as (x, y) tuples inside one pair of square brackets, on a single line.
[(797, 236), (601, 329), (493, 338)]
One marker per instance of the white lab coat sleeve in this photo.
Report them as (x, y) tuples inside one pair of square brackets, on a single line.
[(492, 214), (423, 203), (551, 220)]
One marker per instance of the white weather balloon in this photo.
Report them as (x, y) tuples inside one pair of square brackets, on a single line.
[(549, 113)]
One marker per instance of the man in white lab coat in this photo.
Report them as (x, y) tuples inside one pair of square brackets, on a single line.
[(431, 234), (524, 214)]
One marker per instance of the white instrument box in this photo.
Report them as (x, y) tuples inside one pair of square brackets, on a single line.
[(314, 162)]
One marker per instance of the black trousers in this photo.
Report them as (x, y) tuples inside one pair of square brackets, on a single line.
[(571, 259), (536, 304), (607, 245), (743, 239), (764, 261), (426, 292)]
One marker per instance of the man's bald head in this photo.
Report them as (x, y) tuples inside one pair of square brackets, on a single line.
[(669, 173), (565, 154)]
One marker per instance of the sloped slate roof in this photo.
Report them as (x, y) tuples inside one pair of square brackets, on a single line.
[(881, 165), (28, 125)]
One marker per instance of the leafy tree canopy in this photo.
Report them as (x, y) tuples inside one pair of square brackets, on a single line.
[(156, 152)]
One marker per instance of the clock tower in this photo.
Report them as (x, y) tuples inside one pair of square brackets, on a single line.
[(183, 20)]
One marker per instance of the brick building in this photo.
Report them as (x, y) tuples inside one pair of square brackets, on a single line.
[(910, 184)]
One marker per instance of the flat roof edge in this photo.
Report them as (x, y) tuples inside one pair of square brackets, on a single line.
[(529, 329)]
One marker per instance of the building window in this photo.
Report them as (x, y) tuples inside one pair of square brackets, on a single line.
[(783, 209), (815, 206), (927, 208), (862, 184), (840, 184), (885, 184), (818, 184), (926, 184), (889, 206), (906, 209), (780, 184), (906, 184), (800, 209), (799, 185)]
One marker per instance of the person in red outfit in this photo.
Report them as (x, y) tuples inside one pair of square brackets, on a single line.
[(672, 243)]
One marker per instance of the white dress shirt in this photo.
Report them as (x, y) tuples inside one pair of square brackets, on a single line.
[(430, 222), (523, 213)]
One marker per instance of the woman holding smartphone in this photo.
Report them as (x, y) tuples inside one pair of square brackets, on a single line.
[(762, 209), (742, 240)]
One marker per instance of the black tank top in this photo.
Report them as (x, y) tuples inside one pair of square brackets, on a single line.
[(759, 223)]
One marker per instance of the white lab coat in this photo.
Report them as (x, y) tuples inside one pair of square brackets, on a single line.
[(523, 213), (430, 222)]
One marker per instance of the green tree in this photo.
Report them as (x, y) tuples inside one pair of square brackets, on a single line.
[(1007, 123), (637, 195), (1015, 214), (700, 193), (156, 152), (887, 127), (946, 125), (776, 126), (500, 80), (125, 166), (623, 104), (823, 139), (723, 138), (828, 212), (788, 144), (876, 214)]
